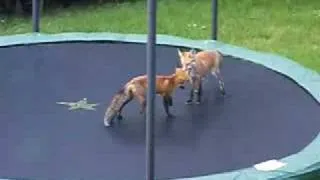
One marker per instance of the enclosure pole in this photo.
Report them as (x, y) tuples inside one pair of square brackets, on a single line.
[(214, 19), (151, 74), (35, 15)]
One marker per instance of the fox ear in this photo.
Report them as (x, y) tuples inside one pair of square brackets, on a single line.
[(180, 52), (178, 65), (193, 51)]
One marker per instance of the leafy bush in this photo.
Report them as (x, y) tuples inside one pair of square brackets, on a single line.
[(25, 6)]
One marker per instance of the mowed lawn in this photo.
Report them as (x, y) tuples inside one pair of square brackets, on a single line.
[(289, 28)]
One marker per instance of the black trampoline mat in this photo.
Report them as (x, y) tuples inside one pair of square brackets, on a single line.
[(265, 116)]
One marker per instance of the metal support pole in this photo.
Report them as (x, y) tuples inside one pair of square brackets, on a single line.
[(35, 15), (151, 74), (214, 19)]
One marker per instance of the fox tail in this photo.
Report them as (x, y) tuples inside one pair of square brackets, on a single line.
[(120, 99), (220, 57)]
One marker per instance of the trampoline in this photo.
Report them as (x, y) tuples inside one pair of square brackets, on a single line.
[(265, 115)]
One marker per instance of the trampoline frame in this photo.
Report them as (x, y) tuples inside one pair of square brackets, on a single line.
[(305, 161)]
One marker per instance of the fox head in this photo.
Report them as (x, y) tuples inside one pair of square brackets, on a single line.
[(186, 57), (181, 77)]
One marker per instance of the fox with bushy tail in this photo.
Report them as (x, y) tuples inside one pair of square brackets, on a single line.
[(136, 88)]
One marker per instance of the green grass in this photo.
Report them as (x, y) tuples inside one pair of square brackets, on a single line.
[(289, 28)]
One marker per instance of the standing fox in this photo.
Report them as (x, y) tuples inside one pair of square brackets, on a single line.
[(198, 65), (136, 88)]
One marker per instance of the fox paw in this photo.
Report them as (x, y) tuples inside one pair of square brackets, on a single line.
[(189, 101), (223, 92), (170, 115), (120, 117)]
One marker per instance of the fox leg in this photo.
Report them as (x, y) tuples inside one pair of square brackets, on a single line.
[(167, 101), (142, 102), (199, 93), (170, 103), (192, 90), (119, 116), (221, 83), (189, 101), (195, 90), (218, 75), (139, 94)]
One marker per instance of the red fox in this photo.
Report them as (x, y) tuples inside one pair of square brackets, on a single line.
[(198, 65), (136, 88)]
